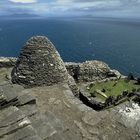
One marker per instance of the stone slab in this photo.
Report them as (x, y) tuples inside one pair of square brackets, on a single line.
[(44, 128), (10, 116), (55, 122), (29, 110), (26, 99), (25, 132)]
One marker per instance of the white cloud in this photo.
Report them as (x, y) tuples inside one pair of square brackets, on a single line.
[(23, 1), (64, 1), (98, 7)]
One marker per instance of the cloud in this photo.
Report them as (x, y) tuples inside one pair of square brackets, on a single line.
[(93, 7), (23, 1)]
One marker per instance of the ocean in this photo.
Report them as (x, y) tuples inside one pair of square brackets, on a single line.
[(114, 41)]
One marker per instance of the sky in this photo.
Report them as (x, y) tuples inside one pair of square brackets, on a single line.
[(101, 8)]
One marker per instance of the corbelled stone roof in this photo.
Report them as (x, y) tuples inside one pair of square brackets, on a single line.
[(88, 71), (39, 64)]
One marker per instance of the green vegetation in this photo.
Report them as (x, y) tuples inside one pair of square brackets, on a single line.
[(112, 88)]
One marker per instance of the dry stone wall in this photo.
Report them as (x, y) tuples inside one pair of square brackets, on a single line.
[(88, 71), (39, 64)]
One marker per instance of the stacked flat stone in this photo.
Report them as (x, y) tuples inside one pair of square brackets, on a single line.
[(39, 64), (93, 70), (88, 71)]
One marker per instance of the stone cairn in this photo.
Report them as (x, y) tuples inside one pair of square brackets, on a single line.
[(39, 64)]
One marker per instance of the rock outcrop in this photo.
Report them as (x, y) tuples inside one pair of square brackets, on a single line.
[(39, 64), (20, 118), (7, 62)]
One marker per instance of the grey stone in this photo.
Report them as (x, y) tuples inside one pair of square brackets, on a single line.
[(10, 116), (7, 62), (12, 121), (5, 104), (73, 86), (8, 96), (8, 92), (44, 128), (62, 132), (35, 137), (67, 135), (137, 127), (39, 64), (26, 99), (56, 123), (88, 71), (115, 73), (14, 127), (73, 69), (29, 110), (2, 98), (23, 133), (91, 102)]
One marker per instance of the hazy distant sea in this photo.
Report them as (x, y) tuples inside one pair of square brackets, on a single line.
[(117, 42)]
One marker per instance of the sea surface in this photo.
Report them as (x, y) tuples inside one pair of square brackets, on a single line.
[(114, 41)]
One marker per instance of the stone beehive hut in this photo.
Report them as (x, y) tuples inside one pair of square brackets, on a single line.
[(88, 71), (39, 64)]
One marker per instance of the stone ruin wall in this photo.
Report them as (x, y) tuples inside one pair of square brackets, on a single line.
[(88, 71)]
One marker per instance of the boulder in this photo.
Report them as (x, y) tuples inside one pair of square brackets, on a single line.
[(39, 64)]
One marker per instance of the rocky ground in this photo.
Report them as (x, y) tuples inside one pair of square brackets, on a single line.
[(57, 115)]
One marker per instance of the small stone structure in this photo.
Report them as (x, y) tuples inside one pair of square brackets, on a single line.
[(39, 64), (88, 71)]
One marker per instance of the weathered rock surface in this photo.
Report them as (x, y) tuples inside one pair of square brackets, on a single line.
[(7, 62), (82, 123), (53, 113), (39, 64), (25, 121), (7, 96), (129, 115), (88, 71), (14, 124), (73, 86)]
